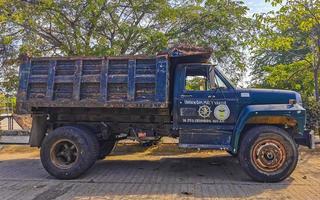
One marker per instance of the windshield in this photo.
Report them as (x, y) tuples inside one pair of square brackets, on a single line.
[(218, 71)]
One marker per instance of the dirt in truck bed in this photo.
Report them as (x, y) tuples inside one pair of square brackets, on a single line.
[(156, 172)]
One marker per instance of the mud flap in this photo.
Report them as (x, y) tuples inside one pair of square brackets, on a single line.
[(307, 139), (38, 129)]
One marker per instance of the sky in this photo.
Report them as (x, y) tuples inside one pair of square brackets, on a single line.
[(259, 6), (255, 6)]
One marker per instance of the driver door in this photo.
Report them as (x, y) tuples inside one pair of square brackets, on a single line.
[(206, 108)]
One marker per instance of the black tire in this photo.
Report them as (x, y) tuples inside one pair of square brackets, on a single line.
[(268, 154), (105, 148), (82, 148)]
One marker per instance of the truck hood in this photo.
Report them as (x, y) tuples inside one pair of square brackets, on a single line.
[(267, 96)]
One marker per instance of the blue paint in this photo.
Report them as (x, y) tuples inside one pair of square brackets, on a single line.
[(131, 79), (162, 84), (104, 80), (242, 103), (24, 73), (296, 112), (50, 82)]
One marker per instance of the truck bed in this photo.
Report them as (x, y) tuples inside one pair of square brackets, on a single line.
[(93, 82)]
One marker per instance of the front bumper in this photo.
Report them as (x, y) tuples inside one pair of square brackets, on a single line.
[(307, 139)]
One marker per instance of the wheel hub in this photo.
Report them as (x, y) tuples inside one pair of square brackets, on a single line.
[(269, 155), (64, 153)]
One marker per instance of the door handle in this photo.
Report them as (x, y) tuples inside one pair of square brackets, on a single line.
[(186, 95)]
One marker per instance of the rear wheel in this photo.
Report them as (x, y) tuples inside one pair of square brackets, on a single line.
[(268, 154), (68, 152)]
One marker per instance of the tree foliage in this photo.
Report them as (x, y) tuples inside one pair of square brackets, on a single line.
[(99, 27), (286, 51), (197, 83)]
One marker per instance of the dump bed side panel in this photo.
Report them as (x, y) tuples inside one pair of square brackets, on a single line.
[(117, 82)]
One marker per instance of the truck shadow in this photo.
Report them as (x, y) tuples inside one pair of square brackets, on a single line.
[(164, 149), (219, 177)]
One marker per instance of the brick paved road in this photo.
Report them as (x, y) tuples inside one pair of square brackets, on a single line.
[(154, 174)]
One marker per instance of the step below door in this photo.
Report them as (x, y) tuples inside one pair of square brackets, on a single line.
[(205, 139)]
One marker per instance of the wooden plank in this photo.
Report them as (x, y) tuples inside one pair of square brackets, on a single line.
[(50, 83), (90, 79), (38, 79), (161, 79), (104, 80), (145, 78), (131, 79), (77, 80), (64, 79), (122, 78)]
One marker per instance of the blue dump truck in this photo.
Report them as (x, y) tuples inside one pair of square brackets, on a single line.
[(81, 106)]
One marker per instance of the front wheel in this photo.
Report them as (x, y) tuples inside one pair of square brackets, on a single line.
[(268, 154)]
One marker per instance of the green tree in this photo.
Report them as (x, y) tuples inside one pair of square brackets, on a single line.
[(99, 27), (287, 47), (286, 52), (196, 83)]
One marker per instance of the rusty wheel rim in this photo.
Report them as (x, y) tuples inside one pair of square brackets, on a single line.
[(269, 155), (64, 153)]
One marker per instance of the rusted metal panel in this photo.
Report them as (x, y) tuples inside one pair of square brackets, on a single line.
[(273, 120), (110, 82)]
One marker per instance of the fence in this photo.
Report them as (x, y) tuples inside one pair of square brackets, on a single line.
[(7, 107)]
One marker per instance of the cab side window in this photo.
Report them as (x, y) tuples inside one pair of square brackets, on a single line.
[(202, 79), (196, 79)]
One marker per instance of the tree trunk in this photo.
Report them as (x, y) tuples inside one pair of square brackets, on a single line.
[(316, 82), (316, 67), (316, 93)]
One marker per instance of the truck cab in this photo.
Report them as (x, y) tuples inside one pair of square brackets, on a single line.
[(210, 112), (260, 126), (206, 107)]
